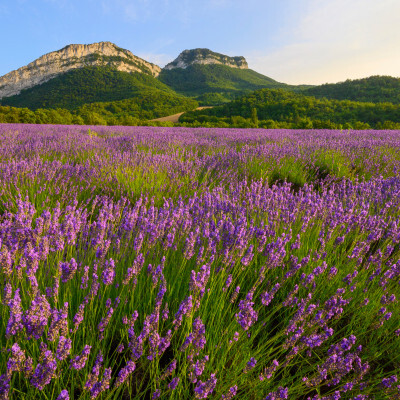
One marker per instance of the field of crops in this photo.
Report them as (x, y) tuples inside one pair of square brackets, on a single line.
[(177, 263)]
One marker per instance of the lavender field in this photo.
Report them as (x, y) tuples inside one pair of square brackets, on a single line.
[(178, 263)]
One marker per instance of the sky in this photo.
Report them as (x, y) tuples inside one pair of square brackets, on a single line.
[(291, 41)]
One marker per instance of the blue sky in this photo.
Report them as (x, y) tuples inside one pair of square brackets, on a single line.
[(292, 41)]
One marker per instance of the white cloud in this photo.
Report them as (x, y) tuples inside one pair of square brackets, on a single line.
[(335, 40)]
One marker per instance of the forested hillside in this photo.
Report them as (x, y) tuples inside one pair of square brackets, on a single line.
[(134, 111), (215, 84), (282, 108), (86, 85), (374, 89)]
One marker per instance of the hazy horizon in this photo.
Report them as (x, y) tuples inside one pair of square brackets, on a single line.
[(295, 42)]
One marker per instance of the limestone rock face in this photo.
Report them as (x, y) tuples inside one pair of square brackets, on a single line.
[(70, 57), (206, 56)]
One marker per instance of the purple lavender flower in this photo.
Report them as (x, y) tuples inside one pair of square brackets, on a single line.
[(59, 323), (204, 389), (79, 361), (14, 324), (154, 342), (332, 272), (63, 395), (174, 383), (68, 270), (250, 364), (235, 294), (268, 372), (93, 376), (227, 283), (387, 382), (199, 281), (164, 342), (102, 385), (247, 315), (197, 338), (165, 312), (281, 393), (157, 272), (85, 277), (387, 316), (105, 320), (171, 367), (134, 270), (7, 294), (231, 394), (138, 242), (125, 372), (108, 273), (189, 246), (197, 368), (4, 386), (44, 371), (63, 348), (78, 317), (266, 298), (235, 337), (18, 361), (168, 371), (36, 317), (185, 308)]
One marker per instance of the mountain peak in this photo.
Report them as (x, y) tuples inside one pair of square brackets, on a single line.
[(205, 56), (70, 57)]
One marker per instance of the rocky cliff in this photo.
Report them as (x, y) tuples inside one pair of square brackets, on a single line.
[(206, 56), (73, 56)]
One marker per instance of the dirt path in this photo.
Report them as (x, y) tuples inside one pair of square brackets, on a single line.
[(175, 117)]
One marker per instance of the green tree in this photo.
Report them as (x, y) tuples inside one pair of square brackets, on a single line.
[(254, 118)]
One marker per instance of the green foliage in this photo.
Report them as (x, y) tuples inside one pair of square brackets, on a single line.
[(278, 108), (214, 99), (199, 80), (374, 89), (85, 85), (40, 116), (149, 104)]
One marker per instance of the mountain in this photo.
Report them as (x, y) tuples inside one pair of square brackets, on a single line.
[(374, 89), (84, 85), (205, 57), (213, 78), (72, 57)]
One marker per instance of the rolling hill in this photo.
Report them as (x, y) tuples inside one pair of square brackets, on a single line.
[(283, 108), (215, 83), (375, 89)]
